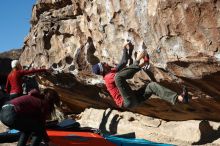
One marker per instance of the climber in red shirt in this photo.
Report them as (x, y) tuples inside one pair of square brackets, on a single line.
[(121, 92), (14, 80)]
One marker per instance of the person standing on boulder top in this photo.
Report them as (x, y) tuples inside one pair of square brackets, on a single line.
[(14, 80), (119, 89)]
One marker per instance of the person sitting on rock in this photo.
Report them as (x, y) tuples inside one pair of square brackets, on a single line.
[(14, 80), (119, 89), (28, 114)]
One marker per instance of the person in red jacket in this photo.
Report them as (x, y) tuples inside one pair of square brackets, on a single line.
[(14, 80), (28, 114), (121, 92)]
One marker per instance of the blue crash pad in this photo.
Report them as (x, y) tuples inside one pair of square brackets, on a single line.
[(119, 141)]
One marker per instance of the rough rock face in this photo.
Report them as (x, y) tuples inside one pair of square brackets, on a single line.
[(114, 122), (182, 38)]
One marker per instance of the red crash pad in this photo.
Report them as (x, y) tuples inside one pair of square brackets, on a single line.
[(68, 138)]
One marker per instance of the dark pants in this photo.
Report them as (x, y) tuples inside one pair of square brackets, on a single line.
[(132, 98), (12, 96), (26, 125)]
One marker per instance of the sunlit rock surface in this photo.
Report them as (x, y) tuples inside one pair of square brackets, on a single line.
[(179, 133), (181, 37)]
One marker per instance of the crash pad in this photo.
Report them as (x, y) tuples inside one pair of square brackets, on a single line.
[(69, 138)]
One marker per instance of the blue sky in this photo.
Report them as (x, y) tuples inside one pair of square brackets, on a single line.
[(14, 23)]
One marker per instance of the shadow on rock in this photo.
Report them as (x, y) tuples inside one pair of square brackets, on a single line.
[(113, 126), (208, 134)]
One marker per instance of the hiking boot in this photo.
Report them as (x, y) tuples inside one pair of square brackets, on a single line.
[(185, 95)]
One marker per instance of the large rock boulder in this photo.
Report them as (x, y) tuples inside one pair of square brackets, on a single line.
[(182, 38)]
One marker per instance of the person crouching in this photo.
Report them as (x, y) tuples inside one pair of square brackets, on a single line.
[(28, 114)]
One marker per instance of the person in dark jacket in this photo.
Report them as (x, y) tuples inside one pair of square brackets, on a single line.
[(28, 114), (14, 80), (121, 92)]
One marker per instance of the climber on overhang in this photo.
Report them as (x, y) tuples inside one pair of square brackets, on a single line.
[(122, 94)]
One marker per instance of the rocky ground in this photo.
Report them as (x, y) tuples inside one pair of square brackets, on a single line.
[(174, 132)]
